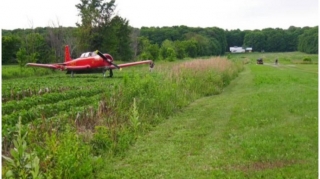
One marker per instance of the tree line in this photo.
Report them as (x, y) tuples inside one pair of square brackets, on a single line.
[(276, 40), (101, 29)]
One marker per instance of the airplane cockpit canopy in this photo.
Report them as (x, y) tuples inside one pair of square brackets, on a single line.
[(88, 54)]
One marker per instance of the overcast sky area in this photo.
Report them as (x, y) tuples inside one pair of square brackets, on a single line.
[(225, 14)]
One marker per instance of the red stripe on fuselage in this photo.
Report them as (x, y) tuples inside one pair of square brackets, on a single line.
[(93, 62)]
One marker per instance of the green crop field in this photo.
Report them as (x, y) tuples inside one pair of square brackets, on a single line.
[(220, 117)]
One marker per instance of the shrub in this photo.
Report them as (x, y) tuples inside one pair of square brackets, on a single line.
[(67, 156), (101, 141), (22, 164), (307, 60)]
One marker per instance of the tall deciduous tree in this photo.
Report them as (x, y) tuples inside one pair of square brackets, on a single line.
[(37, 49), (234, 38), (100, 29), (308, 41), (180, 49), (292, 38), (22, 57), (275, 40), (117, 40), (95, 17), (191, 48), (167, 51), (255, 39), (10, 45), (148, 50)]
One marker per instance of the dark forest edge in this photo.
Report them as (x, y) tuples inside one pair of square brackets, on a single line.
[(45, 44)]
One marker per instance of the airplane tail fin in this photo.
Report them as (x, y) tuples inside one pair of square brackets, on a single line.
[(67, 56)]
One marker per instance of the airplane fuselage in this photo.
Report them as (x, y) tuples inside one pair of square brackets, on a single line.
[(91, 62)]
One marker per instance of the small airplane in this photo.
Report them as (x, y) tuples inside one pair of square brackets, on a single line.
[(89, 62)]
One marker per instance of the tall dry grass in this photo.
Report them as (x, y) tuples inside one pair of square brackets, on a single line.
[(206, 76), (217, 63), (157, 95)]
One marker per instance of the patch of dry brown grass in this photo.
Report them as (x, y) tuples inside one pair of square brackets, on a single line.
[(217, 64)]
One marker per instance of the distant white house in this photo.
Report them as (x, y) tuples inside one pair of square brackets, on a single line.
[(240, 49), (249, 49)]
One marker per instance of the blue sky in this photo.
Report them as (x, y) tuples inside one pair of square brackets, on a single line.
[(226, 14)]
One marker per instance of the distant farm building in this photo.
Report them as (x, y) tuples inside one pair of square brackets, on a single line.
[(249, 49), (240, 49)]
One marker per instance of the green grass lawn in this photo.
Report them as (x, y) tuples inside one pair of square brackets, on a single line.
[(263, 125)]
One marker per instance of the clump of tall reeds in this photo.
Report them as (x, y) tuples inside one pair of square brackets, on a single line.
[(205, 77)]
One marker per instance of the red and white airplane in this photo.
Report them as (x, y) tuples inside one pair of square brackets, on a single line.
[(89, 62)]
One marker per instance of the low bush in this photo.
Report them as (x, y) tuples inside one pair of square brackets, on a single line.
[(307, 60), (22, 164)]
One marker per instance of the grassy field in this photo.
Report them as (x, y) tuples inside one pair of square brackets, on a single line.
[(263, 125), (165, 124), (69, 125)]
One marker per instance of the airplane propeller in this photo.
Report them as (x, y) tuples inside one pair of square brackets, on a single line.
[(108, 60)]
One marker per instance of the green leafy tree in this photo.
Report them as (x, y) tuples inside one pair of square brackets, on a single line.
[(292, 38), (170, 54), (118, 39), (143, 48), (234, 38), (95, 17), (191, 48), (255, 39), (308, 41), (203, 44), (154, 51), (275, 40), (100, 29), (217, 38), (206, 38), (22, 57), (10, 46), (167, 51), (148, 50), (216, 48), (37, 49), (143, 44), (180, 48)]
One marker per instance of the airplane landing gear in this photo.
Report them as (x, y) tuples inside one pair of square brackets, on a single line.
[(111, 73)]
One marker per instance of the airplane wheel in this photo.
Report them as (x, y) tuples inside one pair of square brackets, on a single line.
[(111, 73)]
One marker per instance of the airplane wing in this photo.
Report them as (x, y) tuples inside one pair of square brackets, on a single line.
[(51, 66), (150, 62), (58, 66), (77, 67)]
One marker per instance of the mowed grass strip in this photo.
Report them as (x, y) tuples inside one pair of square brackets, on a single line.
[(263, 125)]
